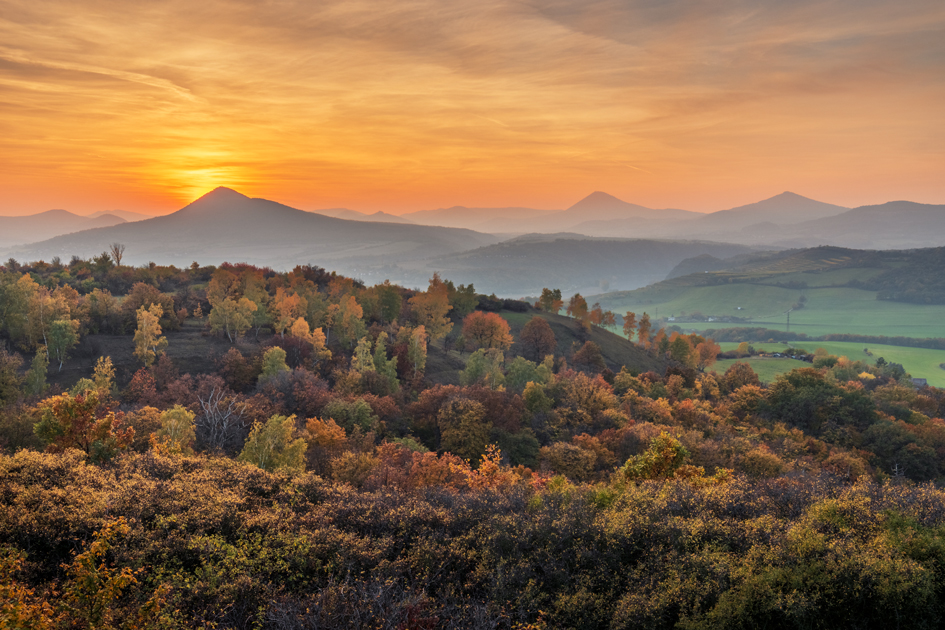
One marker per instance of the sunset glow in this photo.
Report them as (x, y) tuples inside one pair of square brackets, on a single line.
[(404, 106)]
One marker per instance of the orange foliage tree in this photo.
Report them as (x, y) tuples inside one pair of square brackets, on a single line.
[(486, 330)]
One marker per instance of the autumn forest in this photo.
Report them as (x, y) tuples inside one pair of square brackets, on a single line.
[(236, 447)]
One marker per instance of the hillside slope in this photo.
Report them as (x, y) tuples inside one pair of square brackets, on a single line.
[(572, 263)]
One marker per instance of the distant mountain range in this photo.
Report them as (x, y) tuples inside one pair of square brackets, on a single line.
[(225, 225), (599, 242), (573, 263), (127, 215), (354, 215), (38, 227)]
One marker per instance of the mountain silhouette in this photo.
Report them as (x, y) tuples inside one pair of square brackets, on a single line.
[(784, 209), (224, 225), (44, 225)]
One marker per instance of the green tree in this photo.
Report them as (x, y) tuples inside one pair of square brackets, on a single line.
[(417, 350), (484, 366), (361, 360), (148, 340), (177, 433), (664, 455), (63, 336), (233, 317), (389, 300), (464, 430), (270, 446), (10, 379), (254, 290), (36, 375), (384, 366), (462, 299), (273, 364)]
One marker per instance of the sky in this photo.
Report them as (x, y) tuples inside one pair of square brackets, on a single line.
[(404, 105)]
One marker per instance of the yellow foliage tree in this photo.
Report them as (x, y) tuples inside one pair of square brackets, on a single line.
[(148, 340)]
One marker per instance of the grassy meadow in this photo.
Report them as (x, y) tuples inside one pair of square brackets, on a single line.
[(827, 310), (919, 362)]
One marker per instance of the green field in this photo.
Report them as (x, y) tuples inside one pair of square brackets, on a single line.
[(919, 362), (766, 369), (827, 310)]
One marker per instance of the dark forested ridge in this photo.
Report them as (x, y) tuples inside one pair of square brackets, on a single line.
[(236, 447)]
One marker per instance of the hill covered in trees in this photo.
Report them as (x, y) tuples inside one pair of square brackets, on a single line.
[(234, 447)]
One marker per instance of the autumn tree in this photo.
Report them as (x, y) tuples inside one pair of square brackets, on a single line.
[(643, 330), (223, 285), (389, 301), (629, 324), (287, 307), (577, 308), (148, 340), (486, 330), (82, 422), (146, 295), (430, 309), (314, 338), (707, 352), (537, 339), (589, 357), (550, 301), (361, 359), (348, 322)]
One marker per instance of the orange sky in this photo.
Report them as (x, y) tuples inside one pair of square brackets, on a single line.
[(409, 105)]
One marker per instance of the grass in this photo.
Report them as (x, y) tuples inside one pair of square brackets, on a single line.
[(919, 362), (767, 369), (828, 310)]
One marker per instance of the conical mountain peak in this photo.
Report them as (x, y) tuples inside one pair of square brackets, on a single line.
[(222, 193)]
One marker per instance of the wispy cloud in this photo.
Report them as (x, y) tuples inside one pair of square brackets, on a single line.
[(407, 104)]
